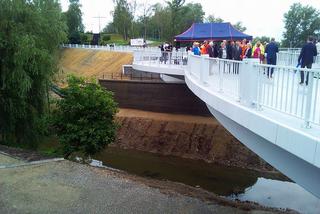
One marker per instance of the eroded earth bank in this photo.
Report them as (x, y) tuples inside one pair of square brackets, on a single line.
[(192, 137)]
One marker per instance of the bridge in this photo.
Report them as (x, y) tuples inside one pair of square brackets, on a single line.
[(277, 118)]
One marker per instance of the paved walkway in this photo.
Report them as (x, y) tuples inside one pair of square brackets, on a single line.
[(67, 187)]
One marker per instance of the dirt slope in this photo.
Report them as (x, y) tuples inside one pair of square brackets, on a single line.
[(200, 138), (93, 63)]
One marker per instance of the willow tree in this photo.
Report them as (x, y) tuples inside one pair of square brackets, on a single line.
[(30, 34)]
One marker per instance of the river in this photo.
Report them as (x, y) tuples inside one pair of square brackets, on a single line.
[(268, 189)]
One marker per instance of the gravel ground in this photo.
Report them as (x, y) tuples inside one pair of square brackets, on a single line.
[(67, 187)]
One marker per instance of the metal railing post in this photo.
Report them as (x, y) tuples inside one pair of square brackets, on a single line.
[(248, 81), (308, 109), (221, 71)]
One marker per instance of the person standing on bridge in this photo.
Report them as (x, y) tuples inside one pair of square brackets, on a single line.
[(196, 49), (210, 49), (237, 51), (271, 54), (306, 58), (248, 52)]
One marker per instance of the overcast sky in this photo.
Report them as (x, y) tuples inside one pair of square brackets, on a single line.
[(261, 17)]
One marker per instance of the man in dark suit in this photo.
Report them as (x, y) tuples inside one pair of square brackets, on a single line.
[(236, 55), (271, 52), (306, 57), (236, 51), (229, 47)]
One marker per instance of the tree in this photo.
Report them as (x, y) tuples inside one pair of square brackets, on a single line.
[(122, 18), (85, 117), (192, 13), (30, 35), (213, 19), (145, 18), (175, 7), (161, 21), (239, 27), (109, 28), (300, 22), (74, 22)]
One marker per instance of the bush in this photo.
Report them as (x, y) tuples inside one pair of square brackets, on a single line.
[(84, 119), (106, 38)]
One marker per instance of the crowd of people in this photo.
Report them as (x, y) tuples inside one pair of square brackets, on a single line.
[(266, 53), (235, 50), (240, 50)]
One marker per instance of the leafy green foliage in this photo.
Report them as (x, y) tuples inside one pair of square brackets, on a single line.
[(122, 18), (300, 22), (239, 27), (84, 119), (105, 38), (86, 38), (73, 18), (30, 35), (212, 19), (160, 22)]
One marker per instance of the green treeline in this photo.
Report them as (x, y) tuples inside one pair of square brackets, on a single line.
[(159, 21), (163, 21)]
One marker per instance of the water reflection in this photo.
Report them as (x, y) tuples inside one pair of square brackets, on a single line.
[(281, 194), (219, 179), (232, 182)]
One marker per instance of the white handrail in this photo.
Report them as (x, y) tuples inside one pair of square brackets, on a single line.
[(252, 85)]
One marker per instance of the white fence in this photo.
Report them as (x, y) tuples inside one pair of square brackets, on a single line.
[(117, 48), (174, 58), (252, 85), (291, 58)]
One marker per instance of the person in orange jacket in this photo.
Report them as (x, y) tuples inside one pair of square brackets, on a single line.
[(204, 48)]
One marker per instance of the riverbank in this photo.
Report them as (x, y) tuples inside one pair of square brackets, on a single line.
[(185, 136), (75, 188)]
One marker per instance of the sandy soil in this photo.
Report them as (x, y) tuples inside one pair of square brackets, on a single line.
[(92, 63), (131, 113)]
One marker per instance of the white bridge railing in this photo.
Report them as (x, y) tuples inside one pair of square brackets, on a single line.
[(290, 58), (173, 58), (250, 83)]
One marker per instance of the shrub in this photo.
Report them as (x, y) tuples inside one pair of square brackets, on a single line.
[(106, 38), (84, 118)]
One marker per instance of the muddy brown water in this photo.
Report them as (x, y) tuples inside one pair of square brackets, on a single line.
[(268, 189)]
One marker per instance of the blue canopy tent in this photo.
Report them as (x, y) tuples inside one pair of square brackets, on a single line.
[(211, 31)]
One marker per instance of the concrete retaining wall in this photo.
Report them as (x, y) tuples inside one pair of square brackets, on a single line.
[(156, 96)]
